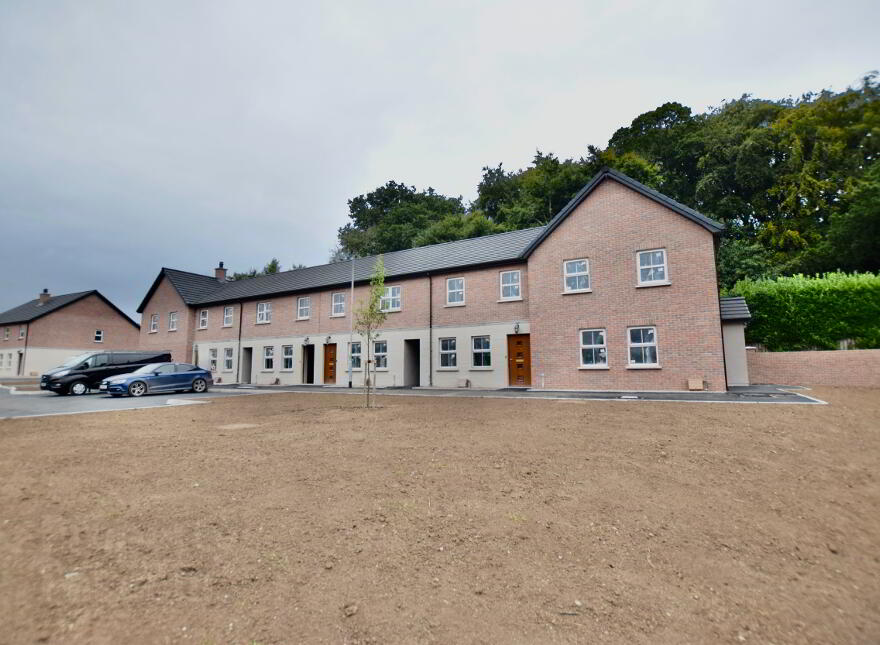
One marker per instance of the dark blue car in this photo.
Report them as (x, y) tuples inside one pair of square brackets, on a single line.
[(159, 377)]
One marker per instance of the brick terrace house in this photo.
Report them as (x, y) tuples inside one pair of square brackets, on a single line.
[(42, 333), (617, 292)]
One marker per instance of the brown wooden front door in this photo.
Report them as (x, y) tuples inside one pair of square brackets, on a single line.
[(519, 361), (330, 363)]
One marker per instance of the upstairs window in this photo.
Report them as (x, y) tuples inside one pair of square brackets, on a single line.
[(643, 347), (577, 275), (594, 352), (227, 316), (264, 313), (338, 308), (21, 331), (99, 335), (303, 308), (172, 321), (6, 334), (203, 319), (482, 354), (455, 291), (510, 285), (652, 267), (154, 323), (390, 299)]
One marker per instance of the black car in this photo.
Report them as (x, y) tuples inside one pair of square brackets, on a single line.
[(79, 374)]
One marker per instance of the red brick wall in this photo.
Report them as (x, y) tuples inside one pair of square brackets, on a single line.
[(482, 292), (164, 301), (74, 327), (13, 342), (608, 228), (850, 368)]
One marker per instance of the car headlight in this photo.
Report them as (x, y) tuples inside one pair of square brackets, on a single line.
[(116, 381), (60, 374)]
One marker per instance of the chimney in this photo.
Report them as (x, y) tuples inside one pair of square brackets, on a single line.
[(220, 272), (44, 297)]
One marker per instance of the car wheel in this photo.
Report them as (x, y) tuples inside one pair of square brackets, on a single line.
[(138, 388), (78, 388), (200, 385)]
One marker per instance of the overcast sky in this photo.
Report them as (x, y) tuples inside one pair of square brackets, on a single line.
[(142, 134)]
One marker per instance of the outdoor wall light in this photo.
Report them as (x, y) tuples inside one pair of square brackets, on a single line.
[(327, 342), (306, 340), (515, 328)]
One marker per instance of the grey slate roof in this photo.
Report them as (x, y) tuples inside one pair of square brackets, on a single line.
[(609, 173), (33, 309), (198, 289), (735, 308)]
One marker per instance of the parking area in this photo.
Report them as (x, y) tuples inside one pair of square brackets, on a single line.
[(31, 402)]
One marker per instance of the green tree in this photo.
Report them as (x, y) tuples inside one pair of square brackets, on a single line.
[(457, 227), (367, 320)]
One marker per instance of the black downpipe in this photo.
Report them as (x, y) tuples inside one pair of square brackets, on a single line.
[(430, 331), (238, 366)]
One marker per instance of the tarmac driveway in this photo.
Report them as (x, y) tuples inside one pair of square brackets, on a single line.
[(40, 403)]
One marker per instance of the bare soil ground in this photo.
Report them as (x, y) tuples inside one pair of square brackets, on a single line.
[(291, 518)]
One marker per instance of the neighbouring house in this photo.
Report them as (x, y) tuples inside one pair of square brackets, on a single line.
[(617, 292), (42, 333)]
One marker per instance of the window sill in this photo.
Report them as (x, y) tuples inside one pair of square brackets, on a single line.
[(571, 293), (171, 330), (302, 319), (229, 371), (226, 326), (99, 341), (591, 368), (381, 369), (656, 366), (265, 322), (481, 369), (510, 300), (455, 304), (201, 328), (390, 311), (447, 369), (286, 371), (337, 315), (665, 283), (272, 371)]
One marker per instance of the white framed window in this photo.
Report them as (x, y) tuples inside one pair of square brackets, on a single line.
[(6, 334), (227, 358), (355, 356), (20, 332), (576, 275), (264, 313), (337, 305), (9, 360), (594, 351), (642, 346), (454, 291), (227, 316), (213, 355), (154, 323), (203, 319), (391, 299), (482, 351), (380, 353), (99, 335), (510, 285), (303, 308), (268, 358), (287, 357), (448, 353), (172, 321), (652, 267)]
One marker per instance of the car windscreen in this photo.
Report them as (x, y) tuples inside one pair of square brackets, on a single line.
[(147, 369), (75, 361)]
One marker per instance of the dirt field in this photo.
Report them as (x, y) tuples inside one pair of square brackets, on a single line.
[(294, 518)]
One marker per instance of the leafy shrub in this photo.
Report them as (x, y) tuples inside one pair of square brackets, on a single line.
[(799, 312)]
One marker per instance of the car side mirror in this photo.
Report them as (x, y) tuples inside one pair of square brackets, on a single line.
[(84, 366), (156, 373)]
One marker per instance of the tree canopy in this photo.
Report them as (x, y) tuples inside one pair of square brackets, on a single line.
[(795, 181)]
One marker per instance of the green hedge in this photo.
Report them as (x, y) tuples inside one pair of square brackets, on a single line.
[(798, 312)]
